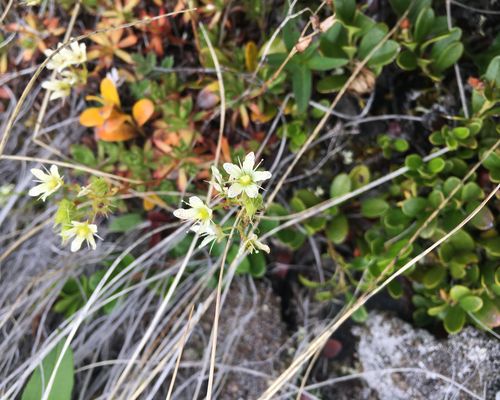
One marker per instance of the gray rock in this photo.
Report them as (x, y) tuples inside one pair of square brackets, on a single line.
[(401, 362)]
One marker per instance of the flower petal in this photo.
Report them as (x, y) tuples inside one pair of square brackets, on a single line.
[(207, 240), (37, 190), (76, 243), (216, 173), (91, 242), (259, 176), (252, 191), (249, 162), (234, 190), (39, 174), (183, 213), (196, 202), (232, 169), (54, 171)]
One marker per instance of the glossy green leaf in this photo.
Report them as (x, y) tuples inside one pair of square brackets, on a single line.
[(448, 56), (454, 319), (64, 377), (302, 87), (319, 63), (124, 223), (434, 276), (412, 207), (340, 186), (413, 162), (407, 60), (373, 207), (345, 10), (338, 229), (424, 24), (459, 291), (471, 303)]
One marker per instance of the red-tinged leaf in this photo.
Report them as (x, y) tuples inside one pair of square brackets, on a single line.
[(332, 348), (127, 42)]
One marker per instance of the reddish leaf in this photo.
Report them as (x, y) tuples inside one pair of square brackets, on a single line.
[(332, 348)]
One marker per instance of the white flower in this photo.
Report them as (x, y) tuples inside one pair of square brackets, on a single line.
[(199, 213), (253, 244), (60, 88), (244, 178), (75, 54), (218, 184), (115, 77), (50, 182), (347, 156), (210, 235), (80, 231)]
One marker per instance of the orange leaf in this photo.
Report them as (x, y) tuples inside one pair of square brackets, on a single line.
[(127, 42), (115, 121), (122, 133), (108, 112), (182, 180), (109, 92), (91, 117), (226, 151), (142, 111), (151, 201)]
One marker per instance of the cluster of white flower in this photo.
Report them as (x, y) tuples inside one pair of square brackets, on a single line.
[(242, 185), (75, 54), (49, 183)]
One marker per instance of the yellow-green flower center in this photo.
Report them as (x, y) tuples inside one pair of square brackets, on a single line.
[(83, 231), (203, 214), (53, 183), (245, 180)]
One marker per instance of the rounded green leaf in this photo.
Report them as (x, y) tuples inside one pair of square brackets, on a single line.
[(320, 63), (414, 206), (461, 132), (424, 24), (413, 162), (433, 277), (257, 264), (459, 291), (401, 145), (471, 191), (493, 71), (407, 60), (374, 207), (385, 55), (449, 56), (360, 176), (345, 9), (471, 303), (436, 165), (338, 229), (341, 185), (64, 376), (454, 320), (330, 84)]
